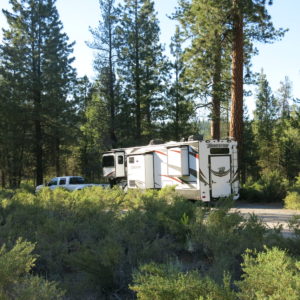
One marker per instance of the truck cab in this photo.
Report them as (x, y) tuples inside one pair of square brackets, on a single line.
[(70, 183)]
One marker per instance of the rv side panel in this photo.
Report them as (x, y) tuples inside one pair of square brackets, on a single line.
[(160, 166), (149, 170)]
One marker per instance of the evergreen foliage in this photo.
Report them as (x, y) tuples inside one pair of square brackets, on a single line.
[(207, 61), (105, 42), (36, 69), (259, 281), (168, 282), (94, 242), (180, 104), (292, 200), (141, 67), (265, 116), (55, 124), (108, 244), (16, 282)]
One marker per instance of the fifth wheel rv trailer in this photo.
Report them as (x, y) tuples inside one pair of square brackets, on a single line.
[(200, 170)]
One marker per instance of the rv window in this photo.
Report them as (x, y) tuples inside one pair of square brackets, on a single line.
[(131, 160), (108, 161), (219, 150), (120, 160)]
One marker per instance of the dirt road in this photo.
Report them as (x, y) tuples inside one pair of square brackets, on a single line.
[(271, 214)]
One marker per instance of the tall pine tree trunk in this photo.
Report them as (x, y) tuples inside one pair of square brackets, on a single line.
[(137, 79), (111, 89), (236, 121), (37, 103), (176, 133)]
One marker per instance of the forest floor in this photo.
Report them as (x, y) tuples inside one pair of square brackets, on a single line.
[(272, 214)]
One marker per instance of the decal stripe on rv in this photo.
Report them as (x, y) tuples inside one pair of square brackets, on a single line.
[(173, 178), (194, 154), (202, 177), (160, 152), (177, 151)]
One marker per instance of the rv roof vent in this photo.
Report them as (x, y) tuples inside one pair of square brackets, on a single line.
[(195, 137), (156, 142)]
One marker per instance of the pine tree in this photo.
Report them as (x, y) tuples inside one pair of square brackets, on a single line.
[(236, 23), (58, 77), (180, 107), (141, 65), (284, 97), (250, 22), (287, 131), (249, 168), (95, 129), (38, 52), (14, 128), (265, 116), (207, 58), (105, 63)]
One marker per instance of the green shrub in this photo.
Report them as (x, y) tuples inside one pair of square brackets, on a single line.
[(296, 185), (294, 225), (292, 200), (274, 186), (271, 187), (167, 282), (90, 240), (271, 274), (252, 192), (15, 279), (220, 237)]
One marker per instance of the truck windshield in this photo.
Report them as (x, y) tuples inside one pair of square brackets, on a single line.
[(108, 161), (52, 182)]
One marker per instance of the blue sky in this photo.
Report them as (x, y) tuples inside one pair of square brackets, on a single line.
[(278, 60)]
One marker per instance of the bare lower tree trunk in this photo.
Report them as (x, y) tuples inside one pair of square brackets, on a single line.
[(3, 179), (57, 157), (236, 121), (38, 153)]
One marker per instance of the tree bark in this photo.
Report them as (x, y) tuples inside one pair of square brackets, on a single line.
[(37, 103), (3, 179), (38, 152), (137, 78), (176, 133), (236, 120), (111, 84), (57, 157)]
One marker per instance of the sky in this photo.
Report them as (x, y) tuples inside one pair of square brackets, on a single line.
[(278, 60)]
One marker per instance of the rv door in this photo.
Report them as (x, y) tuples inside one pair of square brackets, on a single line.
[(220, 172), (120, 164)]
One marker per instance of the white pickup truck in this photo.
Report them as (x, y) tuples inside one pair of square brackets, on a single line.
[(70, 183)]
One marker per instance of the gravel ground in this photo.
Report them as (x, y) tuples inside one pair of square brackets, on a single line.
[(271, 214)]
